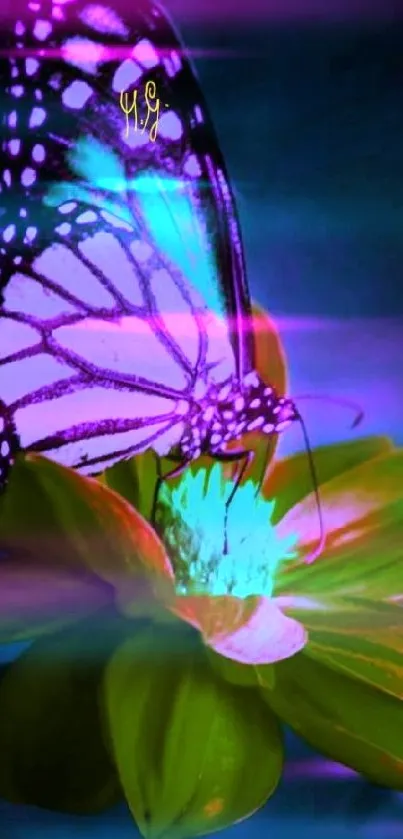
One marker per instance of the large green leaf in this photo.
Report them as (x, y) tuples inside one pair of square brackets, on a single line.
[(290, 479), (342, 718), (360, 638), (185, 742), (44, 584), (135, 480), (52, 750), (363, 521), (70, 536)]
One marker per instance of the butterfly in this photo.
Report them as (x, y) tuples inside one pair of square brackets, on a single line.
[(124, 306)]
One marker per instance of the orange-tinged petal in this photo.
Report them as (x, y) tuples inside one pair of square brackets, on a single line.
[(250, 631), (270, 363), (290, 480), (269, 352), (363, 517)]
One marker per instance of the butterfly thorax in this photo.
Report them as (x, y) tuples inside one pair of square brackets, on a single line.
[(228, 412)]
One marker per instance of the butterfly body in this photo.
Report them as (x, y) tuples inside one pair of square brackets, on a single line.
[(124, 307)]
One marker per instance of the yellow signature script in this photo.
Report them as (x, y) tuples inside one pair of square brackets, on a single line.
[(137, 108)]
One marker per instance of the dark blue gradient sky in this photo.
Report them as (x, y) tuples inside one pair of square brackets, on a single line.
[(310, 117)]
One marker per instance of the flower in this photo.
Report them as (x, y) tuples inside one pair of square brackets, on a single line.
[(247, 626), (321, 643), (192, 518)]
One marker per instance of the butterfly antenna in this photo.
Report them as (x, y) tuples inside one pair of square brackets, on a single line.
[(312, 468), (345, 403)]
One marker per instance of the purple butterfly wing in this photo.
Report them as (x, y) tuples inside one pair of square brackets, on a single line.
[(78, 182)]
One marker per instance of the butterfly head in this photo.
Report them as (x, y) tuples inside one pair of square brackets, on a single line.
[(233, 410)]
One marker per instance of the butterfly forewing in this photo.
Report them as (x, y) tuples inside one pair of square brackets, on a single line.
[(121, 271)]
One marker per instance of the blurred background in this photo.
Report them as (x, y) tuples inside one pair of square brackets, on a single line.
[(306, 96)]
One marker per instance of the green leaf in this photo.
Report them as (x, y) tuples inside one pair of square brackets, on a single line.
[(185, 741), (135, 480), (52, 751), (244, 675), (360, 638), (57, 525), (363, 519), (290, 480), (342, 718), (44, 585)]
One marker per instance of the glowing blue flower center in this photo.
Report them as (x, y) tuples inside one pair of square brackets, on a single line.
[(191, 519)]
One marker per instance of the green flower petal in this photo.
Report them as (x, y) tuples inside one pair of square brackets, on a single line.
[(360, 638), (52, 752), (363, 517), (44, 585), (64, 520), (135, 480), (289, 480), (184, 741), (342, 718)]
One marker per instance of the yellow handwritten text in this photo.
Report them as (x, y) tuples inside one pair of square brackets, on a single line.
[(137, 107)]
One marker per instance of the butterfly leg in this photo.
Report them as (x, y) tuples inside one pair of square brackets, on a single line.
[(173, 473), (244, 458)]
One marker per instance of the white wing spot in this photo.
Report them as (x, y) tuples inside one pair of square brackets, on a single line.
[(173, 64), (55, 81), (103, 20), (7, 177), (255, 403), (38, 153), (14, 147), (38, 116), (12, 119), (268, 428), (38, 95), (83, 53), (170, 126), (9, 233), (31, 234), (67, 208), (86, 217), (198, 114), (31, 66), (19, 28), (64, 229), (5, 448), (135, 139), (128, 73), (15, 73), (23, 212), (256, 423), (76, 95), (216, 439), (28, 176), (17, 90), (145, 53), (192, 166), (251, 379), (239, 403), (42, 30)]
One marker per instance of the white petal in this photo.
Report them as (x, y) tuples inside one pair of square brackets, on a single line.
[(267, 636)]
